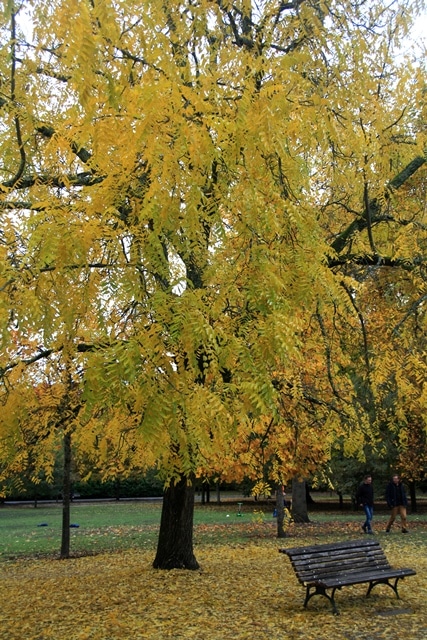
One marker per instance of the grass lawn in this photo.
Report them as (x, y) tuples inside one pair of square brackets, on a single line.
[(112, 526), (26, 531), (245, 589)]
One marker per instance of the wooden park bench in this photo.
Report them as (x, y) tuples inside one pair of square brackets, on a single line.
[(326, 567)]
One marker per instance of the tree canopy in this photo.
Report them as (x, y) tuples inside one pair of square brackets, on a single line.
[(195, 198)]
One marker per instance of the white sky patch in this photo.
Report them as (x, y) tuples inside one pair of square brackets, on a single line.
[(419, 31), (418, 40)]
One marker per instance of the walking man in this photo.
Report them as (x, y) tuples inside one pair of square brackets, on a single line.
[(396, 499), (365, 498)]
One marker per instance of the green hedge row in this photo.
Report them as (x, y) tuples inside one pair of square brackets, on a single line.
[(132, 487)]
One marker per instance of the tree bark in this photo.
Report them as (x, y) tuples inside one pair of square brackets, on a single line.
[(299, 501), (175, 541), (66, 498), (206, 493), (413, 497)]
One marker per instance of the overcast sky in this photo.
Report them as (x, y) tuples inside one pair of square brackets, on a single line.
[(420, 28)]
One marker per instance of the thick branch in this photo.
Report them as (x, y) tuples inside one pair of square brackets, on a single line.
[(363, 328), (375, 260), (40, 355), (43, 354), (20, 171), (83, 154), (328, 355), (361, 223), (83, 179), (406, 173)]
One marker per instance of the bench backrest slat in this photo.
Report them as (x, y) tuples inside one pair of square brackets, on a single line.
[(335, 547)]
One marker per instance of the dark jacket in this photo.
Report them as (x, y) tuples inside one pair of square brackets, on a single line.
[(365, 494), (395, 495)]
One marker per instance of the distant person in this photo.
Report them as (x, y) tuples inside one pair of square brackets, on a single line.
[(396, 500), (365, 498)]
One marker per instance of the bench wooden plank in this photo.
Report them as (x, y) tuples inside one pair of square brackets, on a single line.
[(334, 565)]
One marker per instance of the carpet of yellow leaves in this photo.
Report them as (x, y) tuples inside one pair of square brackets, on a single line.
[(243, 592)]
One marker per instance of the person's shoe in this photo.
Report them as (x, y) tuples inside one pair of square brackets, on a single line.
[(364, 528), (387, 530), (371, 532), (405, 531)]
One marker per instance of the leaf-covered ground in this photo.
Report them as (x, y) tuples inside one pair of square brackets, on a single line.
[(243, 591)]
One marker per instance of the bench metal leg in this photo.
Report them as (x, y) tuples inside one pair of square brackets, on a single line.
[(387, 582), (321, 591)]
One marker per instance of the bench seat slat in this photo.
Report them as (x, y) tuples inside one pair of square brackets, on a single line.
[(331, 571), (316, 568), (306, 576), (359, 578)]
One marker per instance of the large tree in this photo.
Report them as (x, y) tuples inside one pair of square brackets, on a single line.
[(182, 183)]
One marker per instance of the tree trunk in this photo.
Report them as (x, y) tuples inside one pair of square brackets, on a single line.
[(413, 497), (206, 493), (175, 542), (66, 498), (299, 501)]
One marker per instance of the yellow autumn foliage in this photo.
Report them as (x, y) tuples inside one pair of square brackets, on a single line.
[(198, 205)]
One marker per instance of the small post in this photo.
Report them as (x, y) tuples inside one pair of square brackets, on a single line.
[(239, 509)]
